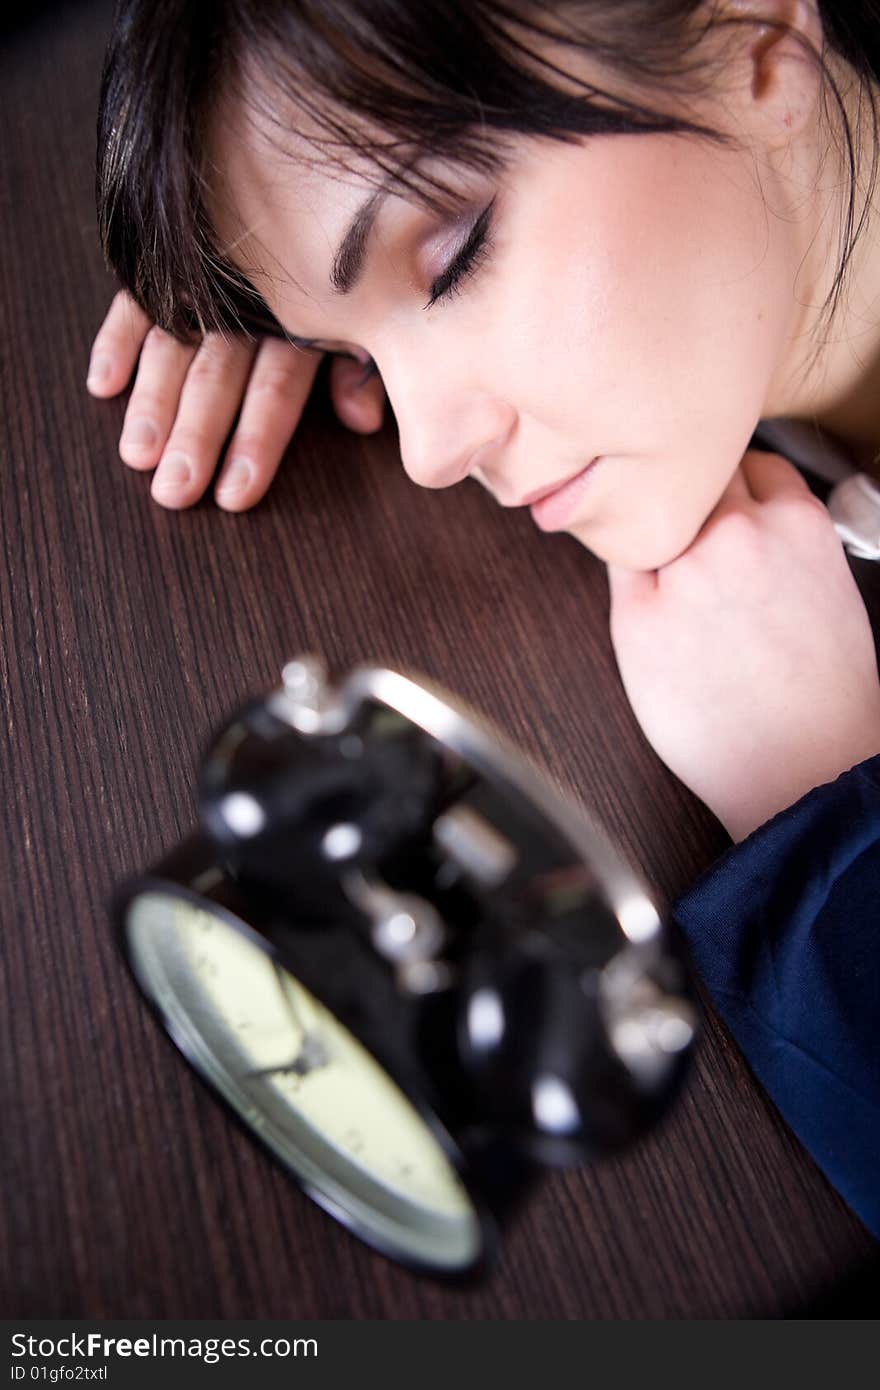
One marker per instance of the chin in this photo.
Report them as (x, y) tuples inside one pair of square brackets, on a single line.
[(643, 552)]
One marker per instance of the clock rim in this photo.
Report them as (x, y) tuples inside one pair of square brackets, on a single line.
[(454, 1152)]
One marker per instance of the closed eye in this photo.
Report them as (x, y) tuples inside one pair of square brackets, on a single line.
[(467, 260), (464, 264)]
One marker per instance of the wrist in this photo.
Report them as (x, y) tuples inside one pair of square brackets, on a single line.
[(760, 791)]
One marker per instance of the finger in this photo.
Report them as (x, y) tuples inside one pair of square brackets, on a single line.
[(209, 403), (279, 385), (359, 403), (770, 476), (116, 346), (154, 402)]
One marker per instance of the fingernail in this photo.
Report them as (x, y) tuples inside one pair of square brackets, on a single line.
[(100, 368), (173, 473), (236, 476), (142, 433)]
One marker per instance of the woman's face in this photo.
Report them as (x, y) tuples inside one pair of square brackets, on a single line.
[(623, 305)]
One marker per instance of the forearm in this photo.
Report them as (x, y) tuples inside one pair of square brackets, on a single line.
[(784, 930)]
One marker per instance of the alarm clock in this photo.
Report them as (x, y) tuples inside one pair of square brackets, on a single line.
[(417, 974)]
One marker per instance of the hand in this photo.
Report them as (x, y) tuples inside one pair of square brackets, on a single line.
[(749, 660), (186, 398)]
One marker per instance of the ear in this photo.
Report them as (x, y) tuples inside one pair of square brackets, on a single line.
[(781, 42)]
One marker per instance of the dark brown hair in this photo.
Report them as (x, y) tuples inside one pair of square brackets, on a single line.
[(390, 80)]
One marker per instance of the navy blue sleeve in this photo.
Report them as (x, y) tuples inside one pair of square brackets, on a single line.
[(785, 932)]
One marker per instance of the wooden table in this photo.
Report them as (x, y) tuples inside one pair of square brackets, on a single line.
[(129, 632)]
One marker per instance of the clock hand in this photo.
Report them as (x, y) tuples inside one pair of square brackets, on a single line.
[(289, 998), (312, 1053), (311, 1056)]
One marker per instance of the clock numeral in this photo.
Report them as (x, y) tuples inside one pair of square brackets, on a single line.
[(354, 1140)]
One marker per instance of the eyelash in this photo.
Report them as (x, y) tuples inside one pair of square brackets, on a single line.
[(370, 370), (468, 261)]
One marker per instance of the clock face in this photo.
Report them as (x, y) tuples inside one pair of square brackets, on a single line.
[(302, 1081)]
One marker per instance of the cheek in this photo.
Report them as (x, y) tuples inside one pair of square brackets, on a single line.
[(657, 303)]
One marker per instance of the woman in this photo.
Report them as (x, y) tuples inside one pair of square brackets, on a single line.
[(585, 248)]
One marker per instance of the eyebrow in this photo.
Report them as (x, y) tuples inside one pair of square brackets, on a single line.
[(348, 263)]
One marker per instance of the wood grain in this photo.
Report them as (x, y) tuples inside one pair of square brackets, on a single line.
[(128, 633)]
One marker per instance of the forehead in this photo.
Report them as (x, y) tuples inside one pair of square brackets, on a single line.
[(284, 202), (283, 189), (275, 201)]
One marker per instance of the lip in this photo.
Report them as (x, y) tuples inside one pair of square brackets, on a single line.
[(553, 507)]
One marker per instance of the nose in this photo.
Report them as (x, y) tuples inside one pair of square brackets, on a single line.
[(446, 434)]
